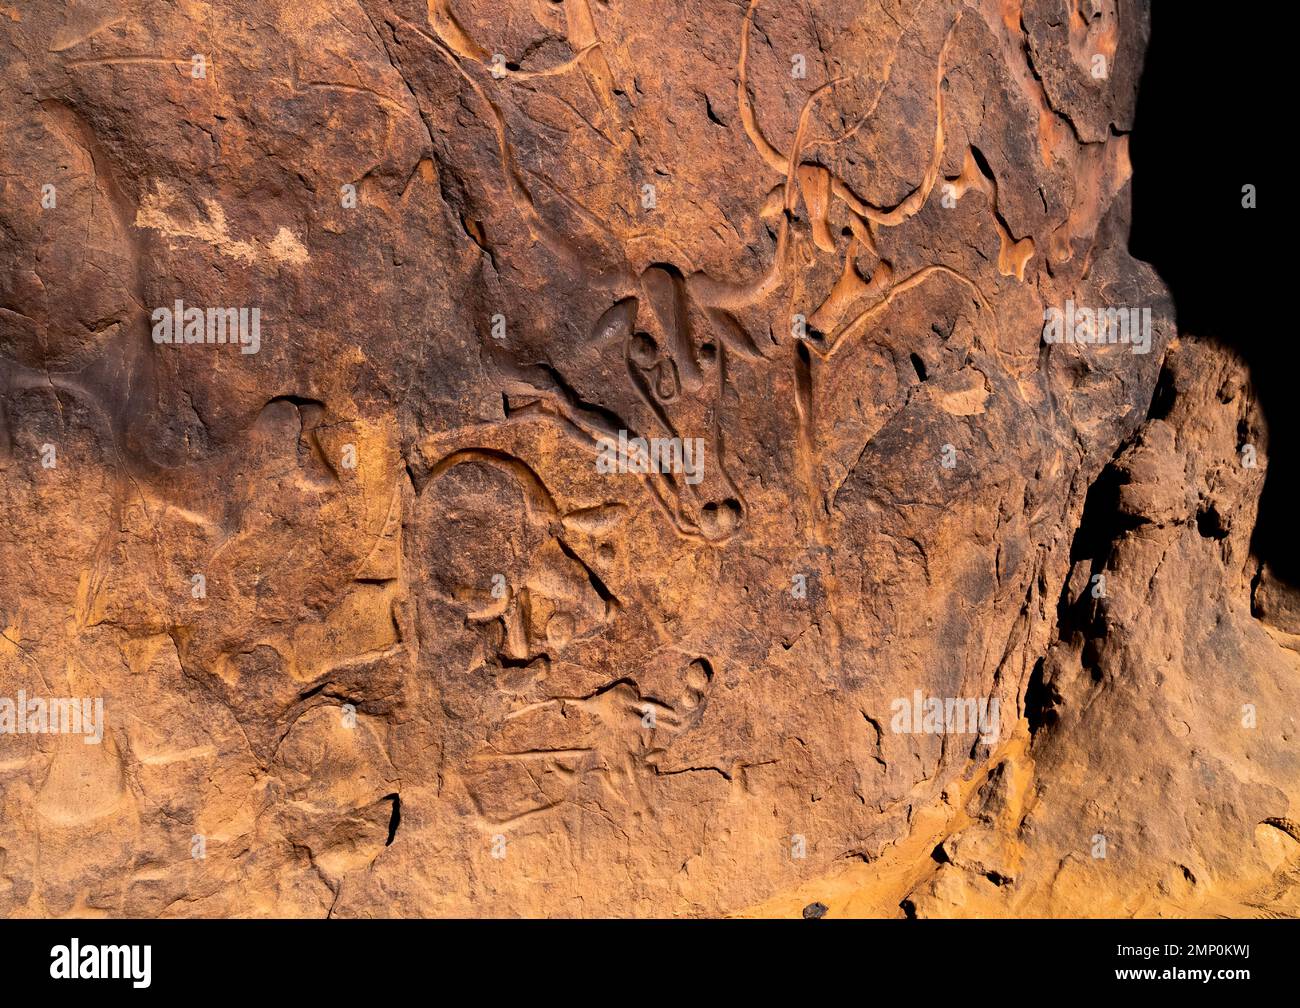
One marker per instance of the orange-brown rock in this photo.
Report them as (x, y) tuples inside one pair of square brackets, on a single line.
[(382, 626)]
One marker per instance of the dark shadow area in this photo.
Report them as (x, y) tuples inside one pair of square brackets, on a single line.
[(1208, 123), (395, 817)]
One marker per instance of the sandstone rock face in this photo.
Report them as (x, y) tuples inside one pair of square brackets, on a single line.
[(382, 626)]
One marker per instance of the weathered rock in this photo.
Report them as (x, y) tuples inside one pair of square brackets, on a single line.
[(376, 630)]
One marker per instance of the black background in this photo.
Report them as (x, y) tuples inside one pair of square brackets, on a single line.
[(664, 962), (1212, 118)]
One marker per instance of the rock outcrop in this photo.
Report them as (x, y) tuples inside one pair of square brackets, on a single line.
[(328, 333)]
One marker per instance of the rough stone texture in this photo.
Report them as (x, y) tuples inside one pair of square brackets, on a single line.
[(644, 718)]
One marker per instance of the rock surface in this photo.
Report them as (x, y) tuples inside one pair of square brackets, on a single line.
[(377, 633)]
